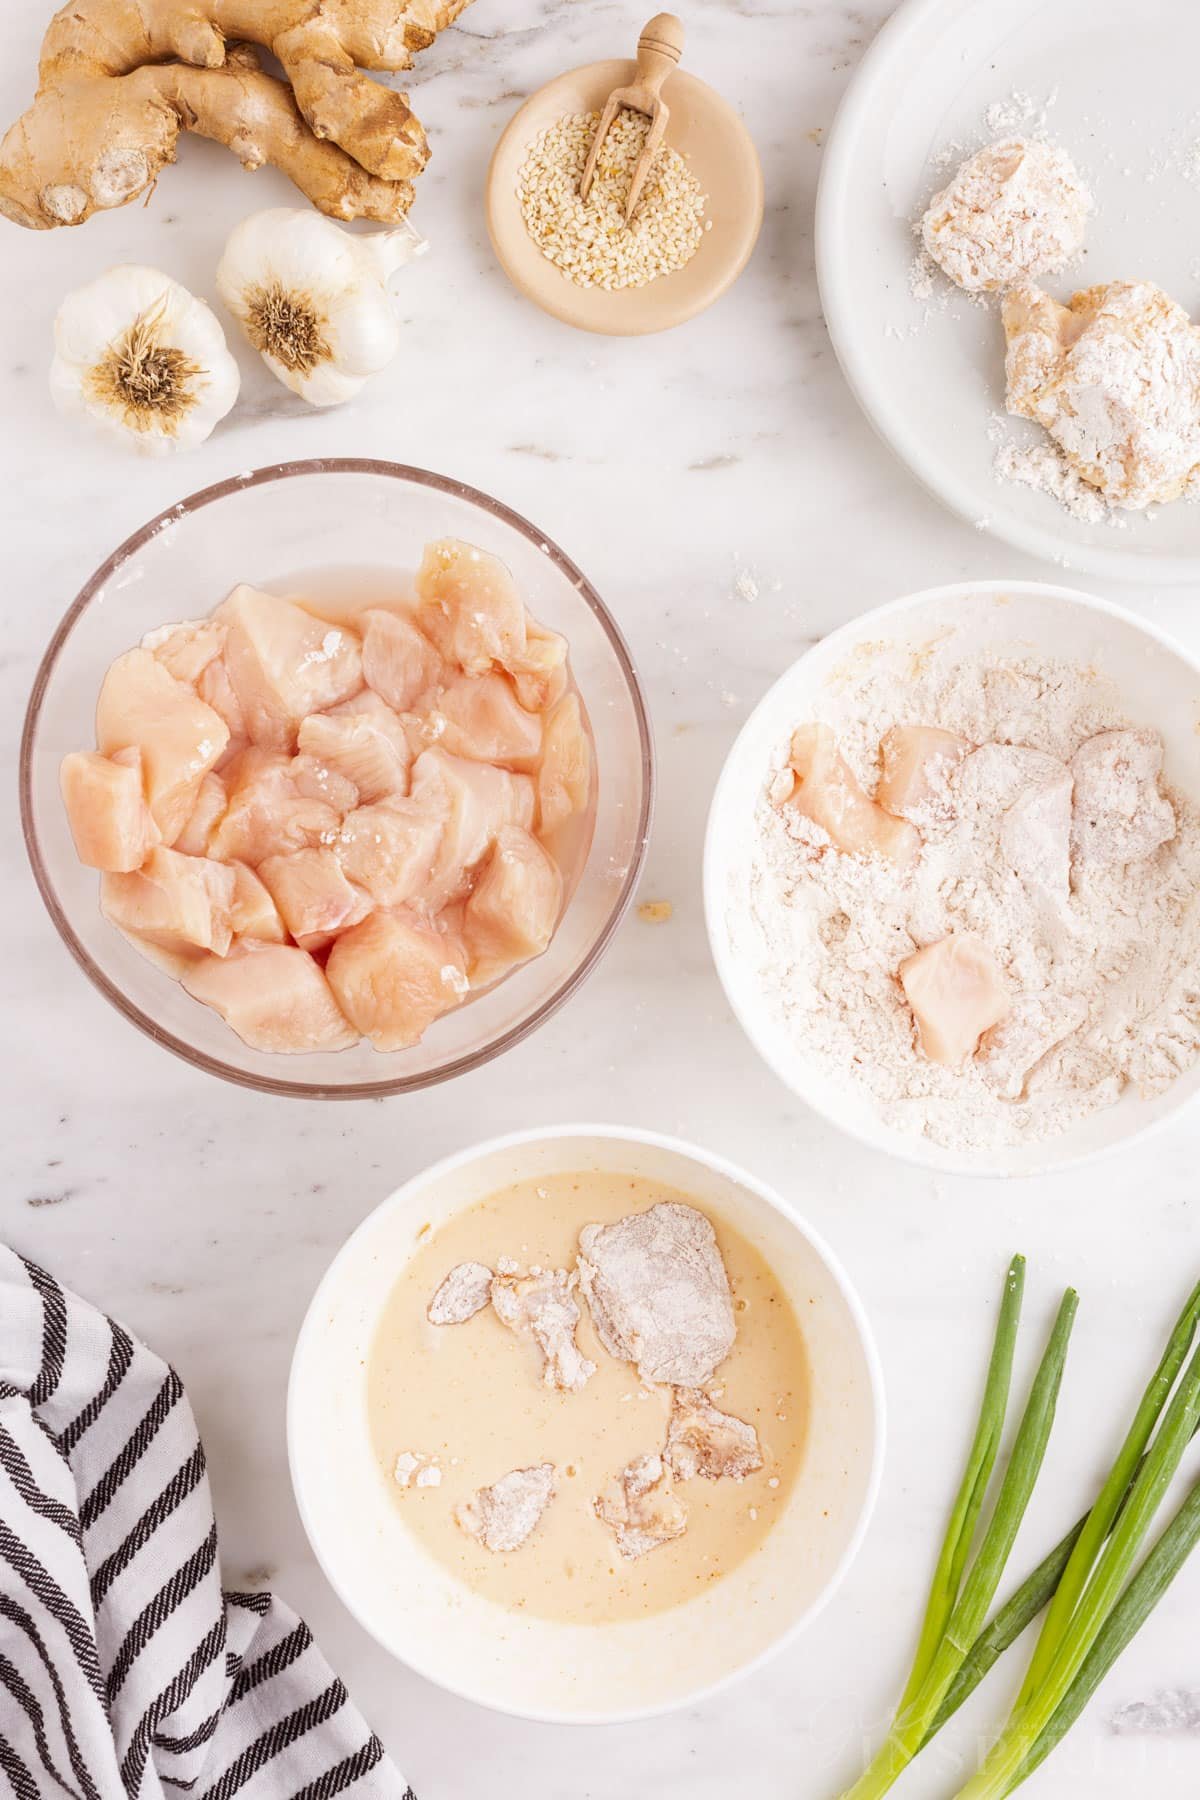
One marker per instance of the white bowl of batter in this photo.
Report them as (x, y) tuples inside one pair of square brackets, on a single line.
[(563, 1629)]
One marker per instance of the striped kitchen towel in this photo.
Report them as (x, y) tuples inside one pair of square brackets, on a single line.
[(124, 1669)]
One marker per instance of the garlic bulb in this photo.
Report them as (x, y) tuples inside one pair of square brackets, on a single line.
[(143, 359), (312, 298)]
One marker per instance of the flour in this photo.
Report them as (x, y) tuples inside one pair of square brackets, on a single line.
[(1044, 468), (1105, 981)]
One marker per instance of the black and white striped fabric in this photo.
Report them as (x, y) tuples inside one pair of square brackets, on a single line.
[(125, 1672)]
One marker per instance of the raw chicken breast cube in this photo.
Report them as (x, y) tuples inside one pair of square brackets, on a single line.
[(253, 913), (474, 803), (479, 717), (176, 902), (314, 898), (142, 706), (364, 741), (185, 650), (511, 914), (274, 996), (565, 777), (916, 760), (106, 809), (1120, 813), (209, 809), (470, 607), (399, 662), (393, 975), (266, 816), (539, 671), (956, 993), (314, 779), (284, 664), (825, 790), (390, 849), (216, 690)]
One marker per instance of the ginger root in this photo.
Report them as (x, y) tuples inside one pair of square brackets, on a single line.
[(120, 79)]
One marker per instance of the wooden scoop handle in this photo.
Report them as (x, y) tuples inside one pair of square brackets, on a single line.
[(659, 50)]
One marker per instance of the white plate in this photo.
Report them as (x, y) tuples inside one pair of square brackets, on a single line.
[(929, 375), (1159, 683)]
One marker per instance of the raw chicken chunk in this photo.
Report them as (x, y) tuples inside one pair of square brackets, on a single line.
[(658, 1292), (469, 606), (390, 849), (266, 816), (514, 907), (314, 898), (479, 717), (824, 790), (541, 1306), (1038, 1023), (364, 741), (1030, 793), (185, 650), (465, 1291), (284, 664), (106, 809), (916, 759), (565, 776), (956, 993), (274, 996), (179, 903), (413, 1468), (393, 975), (253, 913), (505, 1515), (399, 662), (216, 690), (314, 779), (1120, 813), (539, 671), (474, 803), (143, 707), (702, 1440), (641, 1507), (204, 816)]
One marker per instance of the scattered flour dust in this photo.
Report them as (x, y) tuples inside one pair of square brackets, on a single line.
[(825, 932), (1042, 466)]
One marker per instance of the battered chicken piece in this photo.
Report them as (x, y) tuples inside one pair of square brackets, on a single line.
[(641, 1507), (1030, 792), (541, 1306), (505, 1515), (465, 1291), (658, 1292), (703, 1440), (1120, 815), (413, 1468)]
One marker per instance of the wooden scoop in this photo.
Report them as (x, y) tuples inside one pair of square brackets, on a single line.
[(659, 50)]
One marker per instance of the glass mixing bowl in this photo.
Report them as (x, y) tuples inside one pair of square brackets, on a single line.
[(264, 527)]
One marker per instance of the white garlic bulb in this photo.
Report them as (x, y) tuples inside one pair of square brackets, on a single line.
[(312, 298), (143, 359)]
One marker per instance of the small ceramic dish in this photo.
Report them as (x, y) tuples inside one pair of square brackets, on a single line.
[(1159, 684), (539, 1668), (703, 128)]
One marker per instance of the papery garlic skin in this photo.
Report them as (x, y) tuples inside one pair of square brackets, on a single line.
[(143, 360), (312, 298)]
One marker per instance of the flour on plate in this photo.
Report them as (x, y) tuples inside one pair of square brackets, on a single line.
[(1112, 970)]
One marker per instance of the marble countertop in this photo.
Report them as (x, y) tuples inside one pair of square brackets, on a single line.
[(750, 513)]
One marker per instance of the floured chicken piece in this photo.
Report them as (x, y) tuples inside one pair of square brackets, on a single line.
[(394, 974), (466, 1290), (505, 1515), (1115, 379), (1031, 793), (824, 789), (1037, 1024), (399, 662), (956, 993), (658, 1293), (470, 607), (143, 707), (565, 777), (364, 741), (480, 717), (284, 664), (266, 814), (274, 996), (702, 1440), (413, 1468), (641, 1507), (1016, 208), (541, 1306), (179, 903), (1120, 813), (110, 822), (514, 907), (915, 761), (314, 898)]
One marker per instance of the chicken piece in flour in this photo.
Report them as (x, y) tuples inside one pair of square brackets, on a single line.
[(703, 1440)]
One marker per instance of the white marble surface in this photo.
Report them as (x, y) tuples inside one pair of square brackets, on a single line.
[(204, 1216)]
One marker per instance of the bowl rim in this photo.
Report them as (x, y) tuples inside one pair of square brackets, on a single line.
[(904, 1147), (193, 503), (732, 1171)]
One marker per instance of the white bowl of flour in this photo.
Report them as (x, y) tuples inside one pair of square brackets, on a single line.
[(807, 945)]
